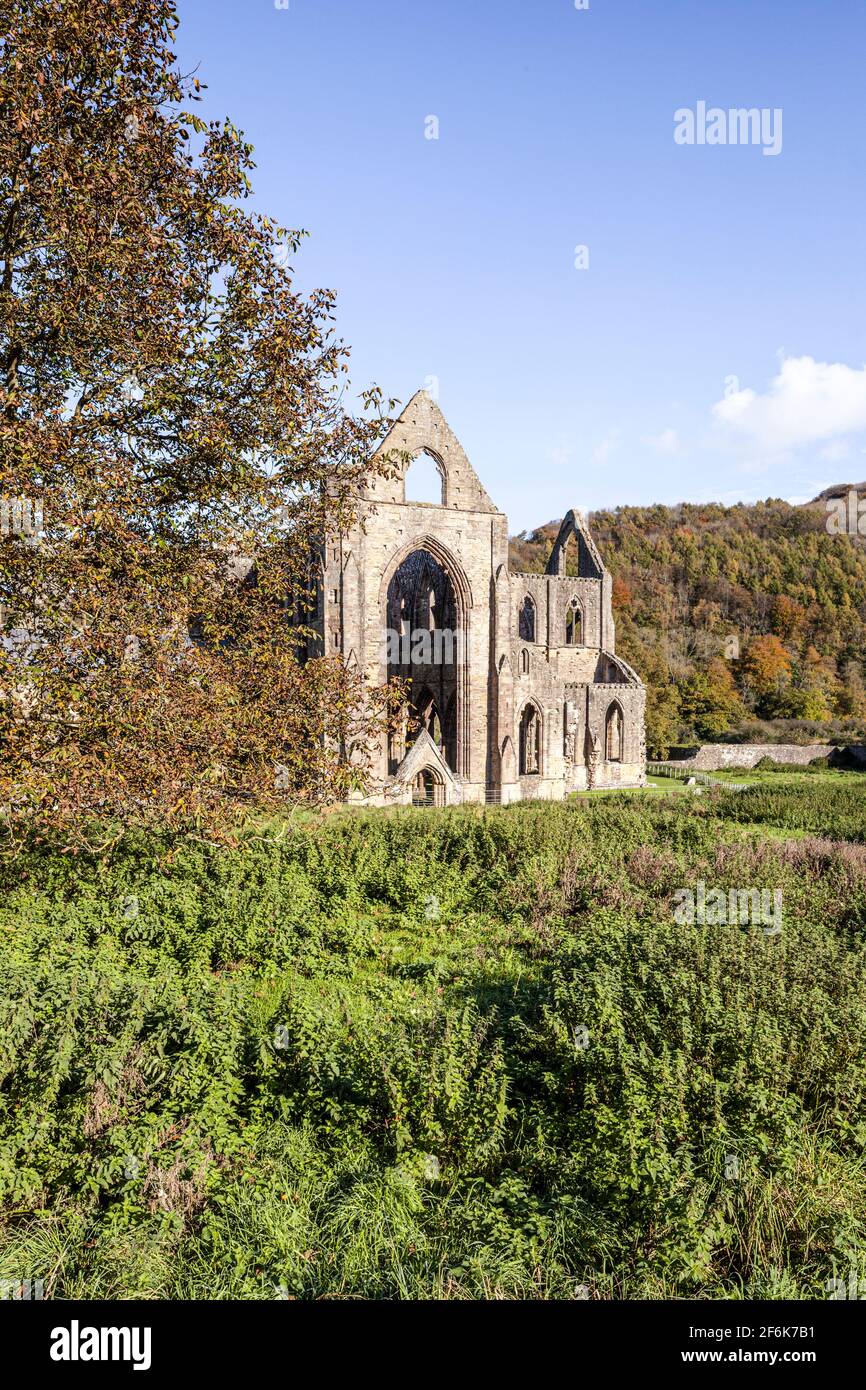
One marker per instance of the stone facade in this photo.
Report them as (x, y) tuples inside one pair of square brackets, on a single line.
[(514, 677)]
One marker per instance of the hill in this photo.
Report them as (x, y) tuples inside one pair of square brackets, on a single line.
[(748, 623)]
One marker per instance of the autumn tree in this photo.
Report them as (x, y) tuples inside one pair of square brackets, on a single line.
[(852, 695), (789, 618), (814, 689), (176, 411), (710, 702), (621, 596), (706, 614), (767, 671)]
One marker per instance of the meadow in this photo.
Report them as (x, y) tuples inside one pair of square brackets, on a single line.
[(460, 1053)]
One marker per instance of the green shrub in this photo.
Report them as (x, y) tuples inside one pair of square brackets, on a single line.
[(455, 1053)]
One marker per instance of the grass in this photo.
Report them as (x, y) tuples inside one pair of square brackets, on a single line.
[(666, 786), (443, 1054), (792, 775)]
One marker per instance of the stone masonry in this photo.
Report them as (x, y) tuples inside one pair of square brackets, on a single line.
[(514, 679)]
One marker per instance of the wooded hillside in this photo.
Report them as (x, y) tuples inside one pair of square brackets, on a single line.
[(746, 622)]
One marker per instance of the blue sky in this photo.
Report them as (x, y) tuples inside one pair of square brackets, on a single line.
[(714, 348)]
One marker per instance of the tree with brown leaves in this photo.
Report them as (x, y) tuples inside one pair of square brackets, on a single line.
[(173, 411)]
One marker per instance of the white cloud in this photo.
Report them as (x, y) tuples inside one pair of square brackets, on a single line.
[(561, 454), (602, 452), (806, 401), (835, 452), (668, 442)]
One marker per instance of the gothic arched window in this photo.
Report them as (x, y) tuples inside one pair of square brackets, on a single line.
[(574, 624), (424, 645), (526, 626), (524, 662)]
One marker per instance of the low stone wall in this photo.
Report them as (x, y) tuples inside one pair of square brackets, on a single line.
[(712, 757)]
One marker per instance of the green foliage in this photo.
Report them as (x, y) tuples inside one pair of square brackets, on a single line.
[(441, 1054)]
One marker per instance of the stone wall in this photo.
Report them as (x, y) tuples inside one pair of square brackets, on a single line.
[(712, 757)]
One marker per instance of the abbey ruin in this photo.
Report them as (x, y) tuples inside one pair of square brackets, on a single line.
[(515, 685)]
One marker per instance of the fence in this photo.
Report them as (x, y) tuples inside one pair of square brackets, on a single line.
[(680, 772)]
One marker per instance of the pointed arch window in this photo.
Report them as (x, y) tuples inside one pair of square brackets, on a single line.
[(527, 620), (421, 604), (428, 714), (524, 662), (574, 624), (613, 735)]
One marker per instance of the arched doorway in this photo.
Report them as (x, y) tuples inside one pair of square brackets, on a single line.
[(428, 789)]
